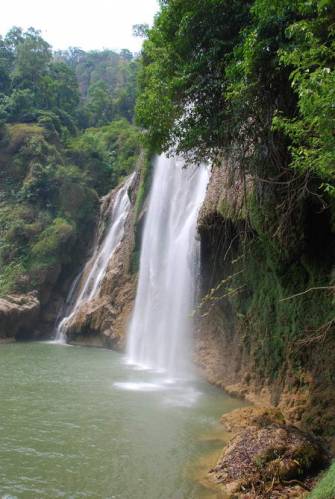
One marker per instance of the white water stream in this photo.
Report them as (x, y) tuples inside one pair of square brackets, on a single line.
[(97, 265), (160, 328)]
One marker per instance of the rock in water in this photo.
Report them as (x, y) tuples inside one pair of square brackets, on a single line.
[(18, 315)]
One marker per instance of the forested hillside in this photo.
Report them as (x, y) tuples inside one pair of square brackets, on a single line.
[(107, 83), (53, 167)]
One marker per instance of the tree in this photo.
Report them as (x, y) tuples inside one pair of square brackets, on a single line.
[(126, 55), (141, 30), (61, 85), (182, 79), (32, 56), (6, 63), (99, 104)]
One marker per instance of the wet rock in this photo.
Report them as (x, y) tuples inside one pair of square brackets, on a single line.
[(103, 320), (18, 315)]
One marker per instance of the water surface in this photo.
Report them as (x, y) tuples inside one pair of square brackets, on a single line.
[(78, 422)]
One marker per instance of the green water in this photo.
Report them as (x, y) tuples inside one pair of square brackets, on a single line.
[(78, 422)]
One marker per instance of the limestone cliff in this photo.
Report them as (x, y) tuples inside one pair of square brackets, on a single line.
[(250, 339)]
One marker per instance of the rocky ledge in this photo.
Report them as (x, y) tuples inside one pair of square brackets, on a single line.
[(18, 316), (266, 457)]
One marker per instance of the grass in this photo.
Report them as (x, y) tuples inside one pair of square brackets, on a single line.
[(325, 489)]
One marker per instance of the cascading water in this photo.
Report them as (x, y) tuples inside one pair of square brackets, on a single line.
[(98, 263), (169, 266)]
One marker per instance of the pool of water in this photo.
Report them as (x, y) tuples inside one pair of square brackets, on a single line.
[(78, 422)]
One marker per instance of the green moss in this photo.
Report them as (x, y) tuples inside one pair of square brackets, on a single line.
[(325, 489), (146, 168), (275, 323), (51, 243), (10, 278)]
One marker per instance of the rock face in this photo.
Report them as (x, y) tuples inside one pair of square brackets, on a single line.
[(218, 348), (227, 336), (18, 316), (103, 320), (266, 456)]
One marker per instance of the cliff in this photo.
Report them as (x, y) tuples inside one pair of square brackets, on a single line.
[(262, 333), (102, 321)]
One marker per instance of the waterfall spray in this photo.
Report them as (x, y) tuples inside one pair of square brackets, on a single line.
[(170, 262)]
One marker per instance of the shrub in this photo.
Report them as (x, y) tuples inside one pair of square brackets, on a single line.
[(51, 243)]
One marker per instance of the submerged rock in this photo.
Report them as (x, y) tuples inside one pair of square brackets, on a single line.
[(266, 457), (18, 315)]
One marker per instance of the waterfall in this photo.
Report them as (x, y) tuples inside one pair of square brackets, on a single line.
[(89, 281), (169, 266)]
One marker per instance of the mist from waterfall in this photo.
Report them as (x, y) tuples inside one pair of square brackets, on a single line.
[(91, 278), (160, 329)]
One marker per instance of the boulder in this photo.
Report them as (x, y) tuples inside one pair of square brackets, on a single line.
[(18, 315)]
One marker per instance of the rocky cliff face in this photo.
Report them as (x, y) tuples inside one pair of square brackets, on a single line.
[(103, 320), (231, 339), (221, 223), (18, 316)]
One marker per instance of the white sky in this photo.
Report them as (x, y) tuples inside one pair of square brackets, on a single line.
[(88, 24)]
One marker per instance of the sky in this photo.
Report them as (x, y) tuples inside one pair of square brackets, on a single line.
[(88, 24)]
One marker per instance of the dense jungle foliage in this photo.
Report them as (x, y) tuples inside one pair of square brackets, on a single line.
[(251, 84), (107, 83), (66, 138)]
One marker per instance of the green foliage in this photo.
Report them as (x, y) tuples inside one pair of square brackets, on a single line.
[(47, 210), (325, 489), (181, 81), (51, 174), (145, 182), (313, 79), (52, 242), (32, 56), (107, 82), (100, 105), (20, 133), (145, 167), (49, 194), (275, 324), (10, 278), (107, 154), (32, 83), (216, 76)]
